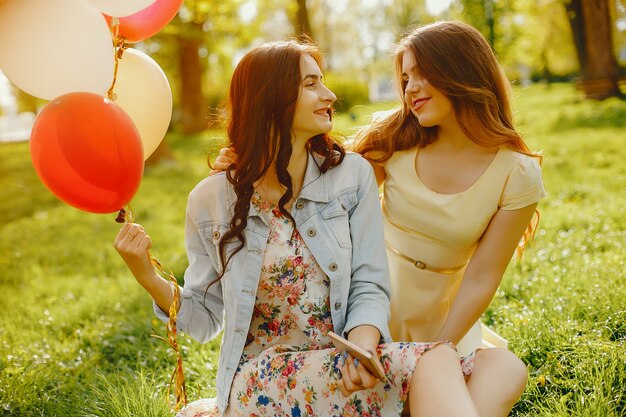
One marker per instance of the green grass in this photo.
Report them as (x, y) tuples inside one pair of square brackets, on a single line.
[(75, 329)]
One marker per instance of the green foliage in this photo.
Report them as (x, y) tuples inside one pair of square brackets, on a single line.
[(530, 37), (349, 91), (540, 75), (75, 333), (610, 112), (127, 395), (19, 180)]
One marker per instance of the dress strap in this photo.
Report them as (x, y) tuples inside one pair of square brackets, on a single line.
[(421, 265)]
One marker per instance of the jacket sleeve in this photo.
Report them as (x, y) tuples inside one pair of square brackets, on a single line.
[(368, 299), (201, 310)]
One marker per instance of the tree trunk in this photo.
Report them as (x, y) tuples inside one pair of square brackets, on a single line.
[(303, 25), (163, 153), (574, 11), (193, 107), (591, 25)]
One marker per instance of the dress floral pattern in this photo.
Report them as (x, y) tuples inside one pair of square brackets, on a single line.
[(289, 367)]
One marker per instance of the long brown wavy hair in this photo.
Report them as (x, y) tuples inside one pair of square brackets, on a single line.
[(456, 60), (264, 90)]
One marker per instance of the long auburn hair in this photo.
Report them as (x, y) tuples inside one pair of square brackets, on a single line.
[(264, 90), (456, 59)]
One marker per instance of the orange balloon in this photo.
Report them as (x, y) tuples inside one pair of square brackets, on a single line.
[(87, 151), (147, 22)]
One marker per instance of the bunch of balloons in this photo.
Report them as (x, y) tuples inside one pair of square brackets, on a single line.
[(89, 150)]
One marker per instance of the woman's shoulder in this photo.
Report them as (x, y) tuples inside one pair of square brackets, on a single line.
[(514, 159), (209, 199), (524, 182), (212, 185), (353, 162), (398, 163), (351, 174), (354, 158)]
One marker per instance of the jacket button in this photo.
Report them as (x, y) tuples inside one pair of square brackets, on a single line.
[(216, 234), (337, 305), (311, 232), (332, 267), (299, 205)]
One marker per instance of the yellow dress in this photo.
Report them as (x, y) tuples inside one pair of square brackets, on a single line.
[(431, 237)]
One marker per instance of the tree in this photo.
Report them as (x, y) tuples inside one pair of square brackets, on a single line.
[(303, 23), (551, 36), (195, 40), (592, 29), (405, 15), (193, 107), (481, 15)]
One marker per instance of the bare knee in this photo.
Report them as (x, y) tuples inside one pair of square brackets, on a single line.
[(437, 378), (436, 361), (440, 353), (506, 367)]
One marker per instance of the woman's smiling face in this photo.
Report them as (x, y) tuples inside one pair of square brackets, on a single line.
[(313, 109), (429, 105)]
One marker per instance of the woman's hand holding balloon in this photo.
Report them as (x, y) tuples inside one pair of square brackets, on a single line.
[(133, 244)]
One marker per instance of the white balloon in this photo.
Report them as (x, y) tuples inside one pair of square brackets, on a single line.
[(143, 91), (120, 8), (52, 47)]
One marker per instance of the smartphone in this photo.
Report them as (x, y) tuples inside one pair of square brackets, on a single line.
[(371, 362)]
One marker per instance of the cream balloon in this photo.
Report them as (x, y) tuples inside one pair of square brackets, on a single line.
[(120, 8), (53, 47), (143, 91)]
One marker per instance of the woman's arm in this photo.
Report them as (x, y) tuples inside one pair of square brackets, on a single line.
[(201, 307), (132, 243), (368, 298), (485, 270)]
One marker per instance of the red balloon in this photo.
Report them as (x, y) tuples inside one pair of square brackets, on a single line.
[(147, 22), (87, 151)]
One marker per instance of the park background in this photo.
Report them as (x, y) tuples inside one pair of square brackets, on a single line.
[(75, 327)]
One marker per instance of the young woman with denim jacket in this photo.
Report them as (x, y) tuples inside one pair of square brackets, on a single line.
[(286, 248)]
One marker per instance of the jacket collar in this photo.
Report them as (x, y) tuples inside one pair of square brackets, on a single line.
[(314, 186)]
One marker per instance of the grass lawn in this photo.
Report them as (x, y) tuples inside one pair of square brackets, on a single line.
[(75, 329)]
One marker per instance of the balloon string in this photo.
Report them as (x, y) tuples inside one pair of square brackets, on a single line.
[(178, 377), (119, 46)]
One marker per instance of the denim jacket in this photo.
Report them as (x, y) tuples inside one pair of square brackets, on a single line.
[(339, 217)]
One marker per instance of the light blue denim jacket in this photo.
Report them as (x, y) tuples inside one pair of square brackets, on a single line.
[(338, 215)]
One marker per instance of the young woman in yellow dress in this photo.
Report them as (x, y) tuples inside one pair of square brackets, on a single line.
[(460, 188)]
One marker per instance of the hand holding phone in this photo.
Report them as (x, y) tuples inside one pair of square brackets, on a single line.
[(369, 361)]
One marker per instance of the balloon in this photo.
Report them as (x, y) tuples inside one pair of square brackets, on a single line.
[(142, 25), (120, 8), (143, 92), (87, 151), (50, 48)]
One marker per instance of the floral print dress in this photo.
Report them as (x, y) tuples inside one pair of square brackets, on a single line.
[(289, 366)]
